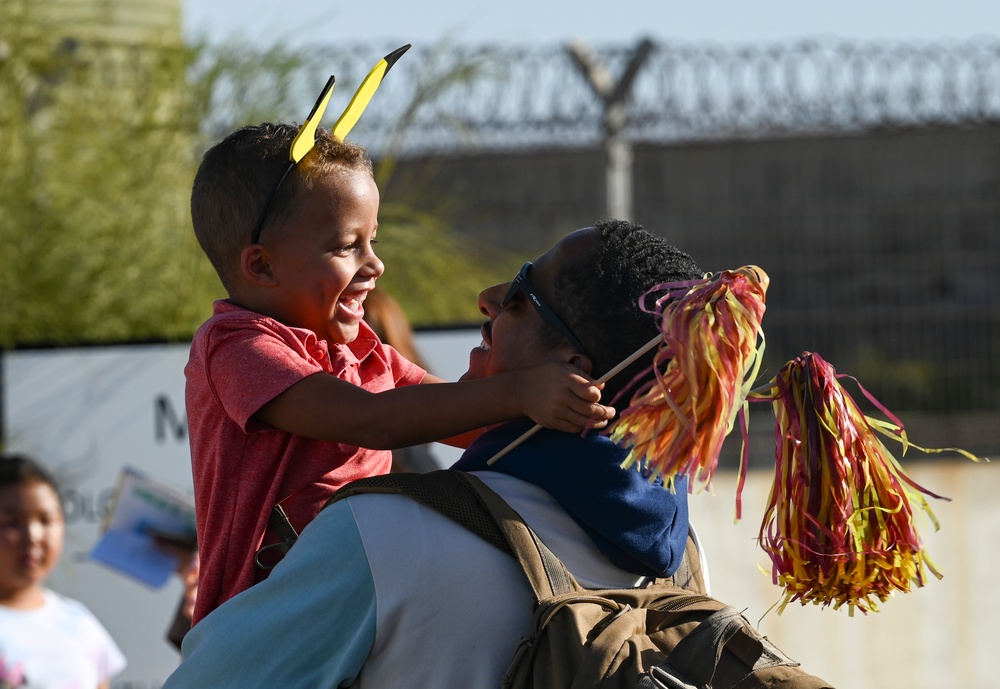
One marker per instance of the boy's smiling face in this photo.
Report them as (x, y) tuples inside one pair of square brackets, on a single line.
[(322, 259)]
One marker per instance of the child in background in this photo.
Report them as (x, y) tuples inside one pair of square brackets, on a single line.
[(47, 641), (290, 395)]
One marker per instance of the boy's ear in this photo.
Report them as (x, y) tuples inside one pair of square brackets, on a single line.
[(256, 266)]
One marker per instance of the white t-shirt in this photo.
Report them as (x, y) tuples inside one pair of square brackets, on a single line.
[(60, 645)]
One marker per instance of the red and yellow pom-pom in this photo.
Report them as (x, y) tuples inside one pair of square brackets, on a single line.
[(839, 525), (712, 344)]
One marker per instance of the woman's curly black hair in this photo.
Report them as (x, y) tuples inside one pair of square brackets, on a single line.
[(598, 296)]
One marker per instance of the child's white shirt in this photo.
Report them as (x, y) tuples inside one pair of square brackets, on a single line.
[(60, 645)]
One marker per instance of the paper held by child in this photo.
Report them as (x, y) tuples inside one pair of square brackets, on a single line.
[(142, 515)]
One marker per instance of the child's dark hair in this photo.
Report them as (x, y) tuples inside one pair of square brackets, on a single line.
[(236, 177), (599, 296), (17, 469)]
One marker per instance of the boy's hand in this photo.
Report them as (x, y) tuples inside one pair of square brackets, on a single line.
[(562, 397)]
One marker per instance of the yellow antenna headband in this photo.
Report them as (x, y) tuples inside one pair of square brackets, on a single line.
[(305, 140)]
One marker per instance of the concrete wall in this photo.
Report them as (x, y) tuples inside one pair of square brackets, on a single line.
[(936, 636)]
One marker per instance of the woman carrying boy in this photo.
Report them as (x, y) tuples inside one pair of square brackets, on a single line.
[(290, 395)]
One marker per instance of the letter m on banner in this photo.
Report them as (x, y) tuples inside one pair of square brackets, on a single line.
[(168, 422)]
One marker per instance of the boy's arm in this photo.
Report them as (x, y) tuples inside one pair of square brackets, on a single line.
[(324, 407), (462, 440)]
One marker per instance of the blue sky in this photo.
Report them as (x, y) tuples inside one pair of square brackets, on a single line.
[(539, 21)]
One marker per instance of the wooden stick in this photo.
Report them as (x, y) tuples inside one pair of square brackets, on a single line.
[(603, 379)]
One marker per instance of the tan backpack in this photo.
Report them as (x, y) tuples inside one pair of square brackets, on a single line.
[(664, 635)]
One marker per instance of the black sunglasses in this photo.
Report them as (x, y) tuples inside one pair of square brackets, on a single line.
[(521, 284)]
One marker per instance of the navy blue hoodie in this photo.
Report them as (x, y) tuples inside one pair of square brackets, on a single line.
[(641, 527)]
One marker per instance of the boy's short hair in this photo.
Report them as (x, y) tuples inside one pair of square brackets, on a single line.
[(237, 175)]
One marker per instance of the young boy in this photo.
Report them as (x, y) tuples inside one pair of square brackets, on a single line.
[(286, 385)]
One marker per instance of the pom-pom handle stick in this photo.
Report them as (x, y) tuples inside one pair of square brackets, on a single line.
[(365, 92), (603, 379)]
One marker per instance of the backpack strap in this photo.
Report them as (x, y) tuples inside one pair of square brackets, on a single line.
[(465, 499), (444, 491), (692, 573), (690, 658), (268, 556), (698, 657), (546, 573)]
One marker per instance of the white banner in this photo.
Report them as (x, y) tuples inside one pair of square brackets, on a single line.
[(87, 412)]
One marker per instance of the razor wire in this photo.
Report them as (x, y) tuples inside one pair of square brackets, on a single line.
[(445, 98)]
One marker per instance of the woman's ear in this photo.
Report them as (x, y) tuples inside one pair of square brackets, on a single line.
[(582, 362), (256, 266)]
